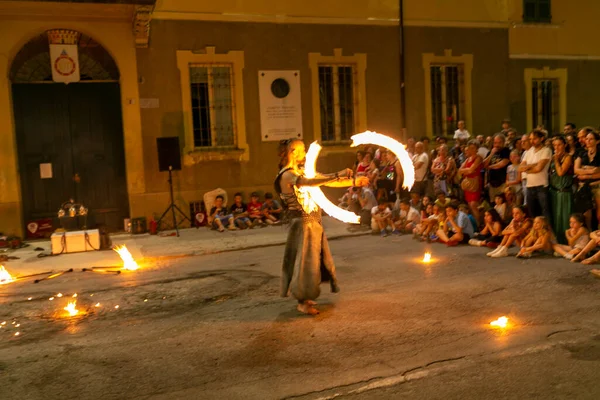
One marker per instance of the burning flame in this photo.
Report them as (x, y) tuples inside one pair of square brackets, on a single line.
[(70, 308), (128, 261), (501, 322), (395, 147), (5, 277), (427, 257), (311, 197)]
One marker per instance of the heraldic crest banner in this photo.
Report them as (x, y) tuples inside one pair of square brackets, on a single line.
[(64, 56)]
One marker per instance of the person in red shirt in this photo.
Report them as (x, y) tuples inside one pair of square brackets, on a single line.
[(254, 210)]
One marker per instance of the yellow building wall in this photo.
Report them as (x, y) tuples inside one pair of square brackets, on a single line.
[(457, 13), (335, 9), (573, 31), (19, 23)]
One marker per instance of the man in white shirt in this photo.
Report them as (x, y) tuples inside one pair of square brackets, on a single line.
[(461, 132), (482, 151), (421, 163), (525, 145), (535, 164)]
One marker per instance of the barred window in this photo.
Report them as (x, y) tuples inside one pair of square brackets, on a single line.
[(447, 98), (537, 11), (213, 105), (545, 104), (337, 102)]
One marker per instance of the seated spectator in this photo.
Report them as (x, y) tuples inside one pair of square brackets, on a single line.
[(415, 200), (408, 220), (465, 208), (240, 212), (441, 199), (423, 224), (500, 206), (491, 234), (515, 232), (254, 210), (218, 216), (367, 202), (381, 218), (458, 229), (590, 246), (429, 226), (344, 201), (511, 201), (539, 239), (427, 200), (271, 209), (577, 237)]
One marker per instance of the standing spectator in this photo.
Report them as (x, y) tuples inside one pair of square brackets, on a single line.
[(561, 187), (240, 212), (218, 216), (569, 129), (526, 145), (271, 209), (381, 218), (506, 127), (581, 136), (572, 145), (513, 177), (390, 177), (461, 133), (254, 210), (496, 163), (536, 163), (482, 150), (420, 162), (410, 146), (458, 229), (588, 174), (471, 178), (364, 166), (443, 169)]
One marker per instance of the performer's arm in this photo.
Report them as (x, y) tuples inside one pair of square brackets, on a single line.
[(327, 179)]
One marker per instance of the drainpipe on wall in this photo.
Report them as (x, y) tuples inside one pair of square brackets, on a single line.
[(402, 91)]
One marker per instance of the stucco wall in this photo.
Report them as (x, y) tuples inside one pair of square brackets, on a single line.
[(267, 47)]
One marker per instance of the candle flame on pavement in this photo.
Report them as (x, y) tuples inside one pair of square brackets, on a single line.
[(311, 197), (128, 261), (427, 257), (5, 277), (501, 322), (395, 147), (70, 308)]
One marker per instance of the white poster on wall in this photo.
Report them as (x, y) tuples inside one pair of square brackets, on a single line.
[(64, 61), (280, 107)]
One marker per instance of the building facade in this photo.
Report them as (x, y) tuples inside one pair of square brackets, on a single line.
[(198, 71), (185, 69)]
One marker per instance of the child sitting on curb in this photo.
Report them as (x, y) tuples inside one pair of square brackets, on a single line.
[(577, 237), (539, 239)]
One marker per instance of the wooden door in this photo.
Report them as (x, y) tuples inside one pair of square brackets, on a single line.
[(78, 129)]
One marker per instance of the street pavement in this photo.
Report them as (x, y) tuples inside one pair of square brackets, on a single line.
[(191, 242), (214, 327)]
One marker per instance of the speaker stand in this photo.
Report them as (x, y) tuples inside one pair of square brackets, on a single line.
[(173, 206)]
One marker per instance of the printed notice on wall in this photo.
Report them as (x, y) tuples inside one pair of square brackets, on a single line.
[(280, 108), (46, 171)]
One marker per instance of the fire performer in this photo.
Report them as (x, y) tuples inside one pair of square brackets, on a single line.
[(307, 260)]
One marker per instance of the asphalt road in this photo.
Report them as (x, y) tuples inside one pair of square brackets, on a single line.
[(213, 327)]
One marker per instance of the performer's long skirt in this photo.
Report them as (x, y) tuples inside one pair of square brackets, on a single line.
[(307, 261)]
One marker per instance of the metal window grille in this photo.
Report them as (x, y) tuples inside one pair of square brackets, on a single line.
[(447, 98), (539, 11), (337, 102), (213, 105), (545, 101)]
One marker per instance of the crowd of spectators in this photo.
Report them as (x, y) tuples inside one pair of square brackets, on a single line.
[(538, 192)]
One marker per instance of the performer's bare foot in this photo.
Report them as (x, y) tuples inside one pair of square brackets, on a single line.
[(306, 308)]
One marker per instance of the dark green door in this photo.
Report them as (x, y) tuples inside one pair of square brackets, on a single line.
[(77, 128)]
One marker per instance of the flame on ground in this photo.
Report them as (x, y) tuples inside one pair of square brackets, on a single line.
[(70, 308), (128, 261), (310, 195), (501, 322), (395, 147), (5, 277), (427, 257)]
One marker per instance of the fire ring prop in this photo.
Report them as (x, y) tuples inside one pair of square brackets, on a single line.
[(395, 147)]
